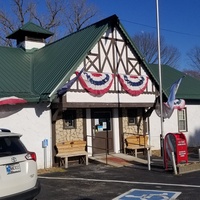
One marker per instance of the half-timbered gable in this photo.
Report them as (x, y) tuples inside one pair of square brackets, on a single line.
[(113, 54)]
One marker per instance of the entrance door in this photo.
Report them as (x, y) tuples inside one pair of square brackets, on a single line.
[(102, 134)]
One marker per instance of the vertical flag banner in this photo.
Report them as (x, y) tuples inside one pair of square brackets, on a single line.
[(68, 85), (172, 95), (172, 103)]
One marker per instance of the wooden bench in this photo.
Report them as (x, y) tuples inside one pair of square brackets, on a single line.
[(135, 142), (68, 149)]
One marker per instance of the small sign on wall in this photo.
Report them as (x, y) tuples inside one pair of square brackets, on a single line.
[(45, 143), (100, 128), (104, 125)]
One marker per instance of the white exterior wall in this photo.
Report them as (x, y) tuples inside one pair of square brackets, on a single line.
[(31, 44), (171, 126), (109, 98), (34, 123), (193, 119)]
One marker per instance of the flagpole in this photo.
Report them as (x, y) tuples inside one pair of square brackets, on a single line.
[(160, 77)]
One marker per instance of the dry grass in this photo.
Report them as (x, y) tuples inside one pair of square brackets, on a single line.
[(50, 170), (156, 153)]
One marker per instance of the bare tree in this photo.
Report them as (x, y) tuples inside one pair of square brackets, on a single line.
[(148, 46), (193, 73), (53, 16), (9, 23), (194, 57), (78, 14)]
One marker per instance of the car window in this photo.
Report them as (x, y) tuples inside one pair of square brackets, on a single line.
[(11, 146)]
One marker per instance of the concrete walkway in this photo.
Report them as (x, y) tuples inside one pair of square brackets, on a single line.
[(118, 159), (121, 160)]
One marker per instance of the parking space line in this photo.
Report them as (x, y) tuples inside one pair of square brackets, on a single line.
[(119, 181)]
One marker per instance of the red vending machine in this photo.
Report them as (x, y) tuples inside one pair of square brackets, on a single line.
[(175, 142)]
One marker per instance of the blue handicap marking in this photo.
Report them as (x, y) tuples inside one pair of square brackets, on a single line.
[(148, 195)]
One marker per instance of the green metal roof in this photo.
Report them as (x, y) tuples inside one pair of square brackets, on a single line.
[(60, 59), (37, 75), (30, 29), (15, 73), (189, 87)]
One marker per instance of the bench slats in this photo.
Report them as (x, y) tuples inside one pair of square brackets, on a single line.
[(135, 142), (66, 149), (71, 149)]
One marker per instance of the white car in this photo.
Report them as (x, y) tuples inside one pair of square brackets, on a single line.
[(18, 169)]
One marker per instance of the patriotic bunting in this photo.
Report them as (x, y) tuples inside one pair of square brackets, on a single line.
[(134, 85), (99, 83), (96, 83), (11, 100)]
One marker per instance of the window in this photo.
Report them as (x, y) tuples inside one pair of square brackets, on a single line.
[(102, 120), (182, 120), (69, 119), (132, 116)]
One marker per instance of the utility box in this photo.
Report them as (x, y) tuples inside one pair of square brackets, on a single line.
[(177, 143)]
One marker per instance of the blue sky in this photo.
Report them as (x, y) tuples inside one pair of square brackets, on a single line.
[(179, 20)]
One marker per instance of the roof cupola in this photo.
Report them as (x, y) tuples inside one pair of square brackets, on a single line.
[(30, 36)]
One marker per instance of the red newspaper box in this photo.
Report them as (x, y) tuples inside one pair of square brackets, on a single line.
[(177, 143)]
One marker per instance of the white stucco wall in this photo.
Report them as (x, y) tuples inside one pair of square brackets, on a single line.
[(171, 125), (193, 119), (109, 98), (34, 123), (31, 44)]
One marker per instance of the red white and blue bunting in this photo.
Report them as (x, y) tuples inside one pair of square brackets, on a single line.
[(99, 83), (134, 85), (12, 100), (96, 83)]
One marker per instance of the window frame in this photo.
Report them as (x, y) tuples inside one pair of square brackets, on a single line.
[(184, 119), (69, 117), (100, 117), (132, 115)]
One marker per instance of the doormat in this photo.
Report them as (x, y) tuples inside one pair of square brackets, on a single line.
[(116, 160)]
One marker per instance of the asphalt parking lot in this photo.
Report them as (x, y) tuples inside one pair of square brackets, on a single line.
[(98, 181)]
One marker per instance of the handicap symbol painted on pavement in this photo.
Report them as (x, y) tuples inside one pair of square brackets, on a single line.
[(148, 195)]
